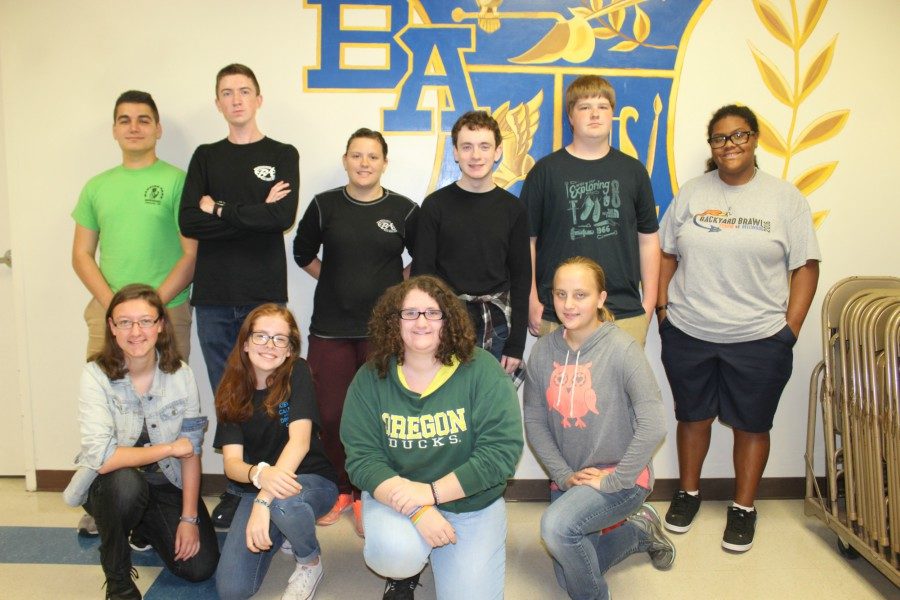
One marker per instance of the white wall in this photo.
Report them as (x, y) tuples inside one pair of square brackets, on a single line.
[(63, 63)]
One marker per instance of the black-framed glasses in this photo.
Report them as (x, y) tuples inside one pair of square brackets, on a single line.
[(261, 339), (738, 138), (431, 314), (127, 324)]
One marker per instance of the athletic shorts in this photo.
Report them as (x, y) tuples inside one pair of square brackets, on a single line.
[(739, 383)]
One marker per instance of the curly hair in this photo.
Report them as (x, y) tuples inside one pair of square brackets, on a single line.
[(473, 121), (234, 398), (457, 336), (731, 110), (111, 359)]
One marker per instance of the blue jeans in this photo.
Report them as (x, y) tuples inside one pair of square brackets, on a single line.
[(217, 330), (240, 571), (473, 567), (498, 339), (571, 528)]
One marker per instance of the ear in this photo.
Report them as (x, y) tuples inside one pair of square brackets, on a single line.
[(455, 154), (246, 347), (602, 299), (498, 152), (112, 327), (158, 130)]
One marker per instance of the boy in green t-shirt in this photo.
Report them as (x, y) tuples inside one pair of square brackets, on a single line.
[(130, 212)]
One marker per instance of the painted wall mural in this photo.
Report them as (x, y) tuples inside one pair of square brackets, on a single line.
[(437, 59)]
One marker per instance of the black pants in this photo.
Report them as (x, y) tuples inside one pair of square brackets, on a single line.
[(123, 501)]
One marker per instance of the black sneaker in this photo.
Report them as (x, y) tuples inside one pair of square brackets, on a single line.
[(123, 588), (223, 513), (682, 511), (138, 542), (401, 589), (739, 530), (87, 527)]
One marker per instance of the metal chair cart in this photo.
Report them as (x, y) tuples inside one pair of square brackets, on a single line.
[(856, 386)]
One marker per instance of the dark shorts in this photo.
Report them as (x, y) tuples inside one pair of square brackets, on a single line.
[(740, 383)]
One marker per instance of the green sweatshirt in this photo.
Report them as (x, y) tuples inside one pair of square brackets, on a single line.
[(470, 425)]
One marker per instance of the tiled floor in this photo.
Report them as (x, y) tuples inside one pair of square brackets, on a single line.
[(794, 557)]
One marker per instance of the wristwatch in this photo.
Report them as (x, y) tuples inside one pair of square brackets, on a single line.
[(220, 206), (191, 520)]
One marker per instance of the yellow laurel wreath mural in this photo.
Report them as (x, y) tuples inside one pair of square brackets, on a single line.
[(793, 94)]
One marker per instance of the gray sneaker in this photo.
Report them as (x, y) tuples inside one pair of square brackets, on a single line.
[(662, 550), (87, 527)]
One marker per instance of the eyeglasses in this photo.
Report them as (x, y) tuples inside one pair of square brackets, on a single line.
[(127, 324), (431, 314), (261, 339), (738, 138)]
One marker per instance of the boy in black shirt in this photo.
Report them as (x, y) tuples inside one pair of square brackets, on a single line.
[(474, 235)]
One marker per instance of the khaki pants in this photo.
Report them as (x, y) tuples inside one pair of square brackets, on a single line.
[(179, 322), (636, 327)]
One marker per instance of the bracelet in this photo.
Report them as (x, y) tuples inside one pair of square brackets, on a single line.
[(263, 502), (259, 468), (250, 479), (418, 514), (191, 520), (661, 307), (220, 205), (434, 494)]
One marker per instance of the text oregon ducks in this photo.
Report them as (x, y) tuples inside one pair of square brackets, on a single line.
[(424, 431)]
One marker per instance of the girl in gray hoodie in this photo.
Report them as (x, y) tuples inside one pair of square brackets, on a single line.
[(594, 417)]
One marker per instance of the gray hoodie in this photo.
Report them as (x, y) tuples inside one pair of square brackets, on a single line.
[(599, 406)]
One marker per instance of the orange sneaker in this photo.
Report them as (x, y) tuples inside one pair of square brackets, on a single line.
[(331, 517), (357, 517)]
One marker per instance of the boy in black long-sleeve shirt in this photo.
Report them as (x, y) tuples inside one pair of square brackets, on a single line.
[(474, 235), (239, 197)]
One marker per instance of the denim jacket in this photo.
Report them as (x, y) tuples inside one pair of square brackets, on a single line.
[(112, 414)]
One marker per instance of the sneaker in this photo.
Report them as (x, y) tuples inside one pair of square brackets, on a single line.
[(739, 530), (87, 527), (661, 551), (304, 581), (223, 513), (358, 519), (401, 589), (682, 511), (138, 542), (123, 588), (342, 505)]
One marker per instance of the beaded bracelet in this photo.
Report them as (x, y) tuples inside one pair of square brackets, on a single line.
[(434, 493), (263, 502)]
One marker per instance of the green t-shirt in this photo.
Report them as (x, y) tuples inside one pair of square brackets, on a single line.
[(135, 212)]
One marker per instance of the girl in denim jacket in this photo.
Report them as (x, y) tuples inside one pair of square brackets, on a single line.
[(141, 433)]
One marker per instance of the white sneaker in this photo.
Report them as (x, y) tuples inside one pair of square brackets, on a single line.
[(303, 583)]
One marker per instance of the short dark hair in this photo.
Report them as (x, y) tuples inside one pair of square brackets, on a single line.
[(236, 69), (477, 119), (365, 132), (731, 110), (135, 97)]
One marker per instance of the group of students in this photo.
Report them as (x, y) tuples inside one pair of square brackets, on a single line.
[(400, 411)]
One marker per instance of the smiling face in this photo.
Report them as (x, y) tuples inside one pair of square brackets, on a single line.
[(576, 299), (591, 119), (420, 336), (135, 128), (364, 162), (237, 99), (736, 163), (135, 342), (267, 357), (476, 151)]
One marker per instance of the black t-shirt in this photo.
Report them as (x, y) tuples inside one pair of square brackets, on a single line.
[(362, 255), (263, 437), (593, 208)]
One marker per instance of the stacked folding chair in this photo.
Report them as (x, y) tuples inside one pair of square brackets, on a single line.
[(857, 388)]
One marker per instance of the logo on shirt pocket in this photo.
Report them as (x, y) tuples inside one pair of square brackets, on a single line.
[(386, 225), (265, 172)]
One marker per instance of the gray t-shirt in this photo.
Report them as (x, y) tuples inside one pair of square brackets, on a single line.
[(599, 406), (736, 247)]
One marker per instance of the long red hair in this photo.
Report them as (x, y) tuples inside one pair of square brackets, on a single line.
[(234, 398)]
